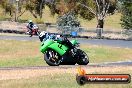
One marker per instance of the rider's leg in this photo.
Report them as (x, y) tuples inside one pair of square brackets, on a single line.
[(68, 43), (30, 30)]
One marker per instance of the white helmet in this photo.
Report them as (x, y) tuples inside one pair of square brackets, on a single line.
[(42, 35), (29, 21)]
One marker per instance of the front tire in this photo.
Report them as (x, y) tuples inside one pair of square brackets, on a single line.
[(83, 58), (52, 58)]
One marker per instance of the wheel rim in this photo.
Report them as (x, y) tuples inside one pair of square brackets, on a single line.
[(85, 57), (53, 57)]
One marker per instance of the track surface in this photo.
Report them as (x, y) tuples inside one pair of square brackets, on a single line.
[(106, 64), (113, 43)]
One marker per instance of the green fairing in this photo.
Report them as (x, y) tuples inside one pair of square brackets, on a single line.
[(61, 49), (74, 42), (45, 44)]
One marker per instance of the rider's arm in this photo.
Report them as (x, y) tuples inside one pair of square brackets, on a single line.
[(58, 38), (31, 25), (47, 36)]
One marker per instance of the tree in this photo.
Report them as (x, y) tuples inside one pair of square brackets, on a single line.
[(35, 7), (68, 22), (83, 11), (15, 10), (102, 8), (8, 7), (62, 7), (126, 15), (19, 9)]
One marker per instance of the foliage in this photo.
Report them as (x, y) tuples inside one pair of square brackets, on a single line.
[(8, 7), (62, 7), (83, 11), (113, 6), (68, 22), (126, 15), (12, 9), (39, 21), (35, 7)]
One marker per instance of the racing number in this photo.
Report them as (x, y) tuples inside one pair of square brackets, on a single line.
[(60, 46)]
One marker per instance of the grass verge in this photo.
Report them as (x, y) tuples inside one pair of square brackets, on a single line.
[(60, 78), (20, 53), (98, 54), (26, 53)]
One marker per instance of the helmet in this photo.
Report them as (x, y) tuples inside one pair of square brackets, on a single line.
[(42, 35), (30, 21)]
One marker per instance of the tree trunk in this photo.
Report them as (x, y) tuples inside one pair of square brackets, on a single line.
[(15, 16), (41, 9), (99, 29), (35, 16)]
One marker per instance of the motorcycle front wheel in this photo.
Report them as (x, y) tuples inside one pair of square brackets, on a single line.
[(52, 58)]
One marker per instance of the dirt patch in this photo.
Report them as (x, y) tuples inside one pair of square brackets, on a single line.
[(28, 73)]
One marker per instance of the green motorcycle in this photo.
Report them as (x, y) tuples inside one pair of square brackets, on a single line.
[(56, 54)]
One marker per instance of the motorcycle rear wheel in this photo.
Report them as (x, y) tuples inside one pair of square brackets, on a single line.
[(52, 58), (83, 58)]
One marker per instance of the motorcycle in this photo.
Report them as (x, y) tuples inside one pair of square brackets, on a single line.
[(34, 31), (56, 54)]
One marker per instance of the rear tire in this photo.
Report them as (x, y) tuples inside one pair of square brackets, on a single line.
[(83, 58)]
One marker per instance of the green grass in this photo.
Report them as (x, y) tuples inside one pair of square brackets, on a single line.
[(23, 62), (20, 53), (26, 53), (65, 80), (107, 54)]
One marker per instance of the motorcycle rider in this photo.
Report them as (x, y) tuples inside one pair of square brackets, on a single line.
[(43, 36), (30, 26)]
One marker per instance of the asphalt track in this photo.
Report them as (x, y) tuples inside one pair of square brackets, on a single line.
[(106, 64), (113, 43)]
